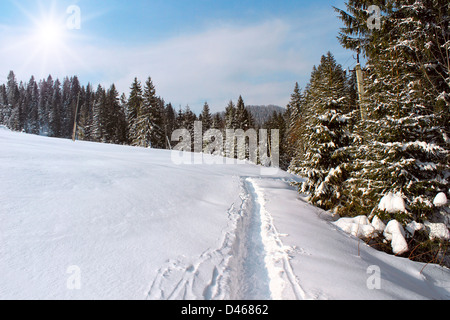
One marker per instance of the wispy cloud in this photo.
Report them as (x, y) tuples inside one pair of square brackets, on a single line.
[(215, 65)]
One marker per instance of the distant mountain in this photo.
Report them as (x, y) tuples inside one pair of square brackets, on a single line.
[(263, 113)]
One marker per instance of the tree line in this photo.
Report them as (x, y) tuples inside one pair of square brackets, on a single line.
[(48, 107)]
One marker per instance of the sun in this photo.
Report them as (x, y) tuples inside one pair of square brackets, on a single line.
[(49, 34), (48, 37)]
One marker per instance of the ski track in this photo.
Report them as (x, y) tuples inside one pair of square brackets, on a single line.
[(251, 263), (284, 284)]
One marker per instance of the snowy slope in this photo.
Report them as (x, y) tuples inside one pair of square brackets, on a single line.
[(93, 221)]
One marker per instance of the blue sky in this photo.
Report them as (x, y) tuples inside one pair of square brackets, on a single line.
[(195, 51)]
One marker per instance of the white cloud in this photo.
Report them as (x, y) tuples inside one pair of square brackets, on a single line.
[(216, 65)]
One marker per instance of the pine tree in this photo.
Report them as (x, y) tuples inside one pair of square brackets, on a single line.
[(158, 134), (86, 114), (404, 147), (76, 101), (98, 126), (33, 117), (169, 124), (110, 114), (55, 112), (243, 118), (45, 105), (3, 103), (12, 99), (294, 117), (180, 119), (325, 136), (17, 121), (218, 122), (135, 102), (122, 130), (206, 118), (230, 113), (189, 118), (66, 124), (278, 122), (243, 122), (150, 121)]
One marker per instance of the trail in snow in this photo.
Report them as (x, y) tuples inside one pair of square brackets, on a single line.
[(283, 283), (251, 264), (252, 281)]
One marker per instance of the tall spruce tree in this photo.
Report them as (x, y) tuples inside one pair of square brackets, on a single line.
[(121, 133), (33, 105), (86, 119), (403, 147), (325, 135), (206, 118), (158, 136), (12, 99), (55, 111), (98, 127), (3, 103), (66, 125), (134, 105), (169, 124), (45, 105), (294, 118), (230, 113), (150, 121), (242, 118)]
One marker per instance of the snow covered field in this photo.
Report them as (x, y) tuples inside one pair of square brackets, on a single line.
[(93, 221)]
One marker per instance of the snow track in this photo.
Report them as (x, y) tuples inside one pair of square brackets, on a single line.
[(283, 284), (251, 263), (205, 277)]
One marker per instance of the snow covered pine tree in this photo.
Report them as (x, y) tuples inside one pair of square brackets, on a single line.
[(325, 135), (404, 146)]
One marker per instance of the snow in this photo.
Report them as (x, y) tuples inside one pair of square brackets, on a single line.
[(440, 200), (414, 226), (95, 221), (359, 227), (378, 225), (437, 230), (392, 203), (395, 233)]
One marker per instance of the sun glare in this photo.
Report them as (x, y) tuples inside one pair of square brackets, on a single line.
[(49, 34), (49, 41)]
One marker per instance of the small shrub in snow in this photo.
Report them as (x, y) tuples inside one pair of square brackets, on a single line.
[(359, 227), (414, 226), (437, 231), (395, 233)]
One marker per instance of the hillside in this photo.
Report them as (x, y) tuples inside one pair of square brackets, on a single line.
[(95, 221), (262, 114)]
